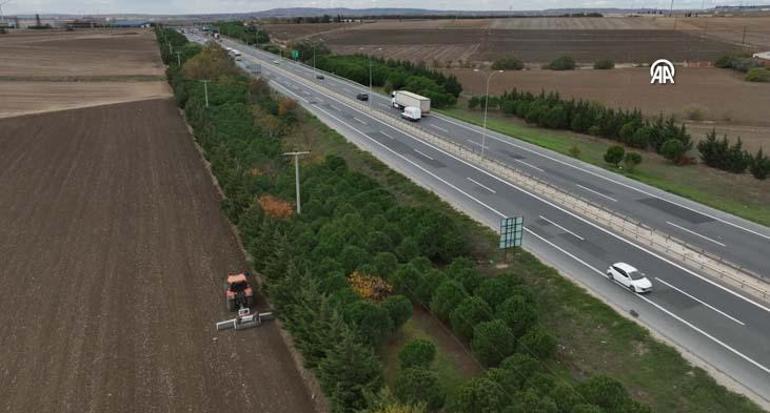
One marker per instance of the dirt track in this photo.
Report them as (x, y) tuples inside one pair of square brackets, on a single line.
[(113, 250)]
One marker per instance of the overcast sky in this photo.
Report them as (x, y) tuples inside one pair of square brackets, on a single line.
[(225, 6)]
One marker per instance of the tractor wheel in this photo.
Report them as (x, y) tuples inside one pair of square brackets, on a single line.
[(229, 305), (250, 301)]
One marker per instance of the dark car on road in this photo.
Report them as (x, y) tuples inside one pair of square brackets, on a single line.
[(362, 96), (319, 76)]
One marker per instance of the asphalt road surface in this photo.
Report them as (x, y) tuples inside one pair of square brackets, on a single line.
[(720, 329)]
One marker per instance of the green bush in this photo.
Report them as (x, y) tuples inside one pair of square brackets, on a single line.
[(480, 395), (399, 309), (466, 316), (631, 161), (673, 150), (614, 155), (418, 385), (371, 321), (508, 63), (760, 165), (492, 342), (417, 353), (446, 298), (562, 63), (609, 394), (758, 74), (604, 64), (519, 313), (538, 343)]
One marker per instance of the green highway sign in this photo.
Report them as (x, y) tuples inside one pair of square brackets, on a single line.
[(511, 232), (295, 54)]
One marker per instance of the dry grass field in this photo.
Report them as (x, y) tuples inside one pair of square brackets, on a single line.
[(53, 70), (286, 32), (720, 97)]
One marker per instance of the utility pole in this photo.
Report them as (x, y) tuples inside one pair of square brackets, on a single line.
[(179, 59), (486, 109), (743, 39), (206, 91), (296, 156)]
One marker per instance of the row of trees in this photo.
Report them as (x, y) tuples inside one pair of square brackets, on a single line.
[(249, 33), (720, 154), (390, 74), (351, 224), (627, 126), (662, 135)]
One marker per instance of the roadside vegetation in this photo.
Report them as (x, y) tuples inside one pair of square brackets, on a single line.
[(389, 74), (662, 135), (249, 34), (744, 63), (344, 276), (745, 198)]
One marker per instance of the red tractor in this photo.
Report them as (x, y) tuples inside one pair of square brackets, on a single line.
[(238, 292)]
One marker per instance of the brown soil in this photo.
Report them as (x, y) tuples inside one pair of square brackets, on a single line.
[(722, 97), (285, 32), (114, 251), (25, 97), (42, 71), (101, 52), (581, 41)]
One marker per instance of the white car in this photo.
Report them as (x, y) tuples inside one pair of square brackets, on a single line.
[(629, 277), (277, 62)]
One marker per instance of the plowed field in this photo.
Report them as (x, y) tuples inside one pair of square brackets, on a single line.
[(113, 254)]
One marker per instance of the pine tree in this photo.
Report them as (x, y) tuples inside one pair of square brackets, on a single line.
[(348, 373)]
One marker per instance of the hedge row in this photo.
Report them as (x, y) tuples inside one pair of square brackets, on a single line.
[(663, 136), (249, 34), (551, 111), (351, 223)]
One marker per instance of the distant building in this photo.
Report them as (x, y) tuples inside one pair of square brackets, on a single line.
[(131, 23)]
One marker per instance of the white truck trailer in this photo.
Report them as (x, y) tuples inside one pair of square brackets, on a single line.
[(402, 98)]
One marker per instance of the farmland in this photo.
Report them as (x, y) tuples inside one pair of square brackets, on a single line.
[(719, 97), (44, 71), (114, 247), (538, 40)]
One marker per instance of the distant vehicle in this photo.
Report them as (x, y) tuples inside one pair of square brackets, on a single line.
[(362, 96), (319, 76), (277, 62), (402, 98), (629, 277), (216, 36)]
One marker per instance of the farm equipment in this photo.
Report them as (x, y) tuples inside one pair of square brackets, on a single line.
[(239, 296)]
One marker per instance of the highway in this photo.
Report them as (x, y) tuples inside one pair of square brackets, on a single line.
[(719, 329)]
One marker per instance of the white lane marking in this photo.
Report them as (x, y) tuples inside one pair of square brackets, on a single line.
[(334, 107), (416, 165), (659, 307), (598, 193), (700, 301), (709, 336), (439, 128), (359, 120), (570, 213), (482, 185), (386, 135), (507, 141), (528, 164), (423, 154), (562, 228), (695, 233)]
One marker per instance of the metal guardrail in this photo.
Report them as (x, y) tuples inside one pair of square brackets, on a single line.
[(689, 255)]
